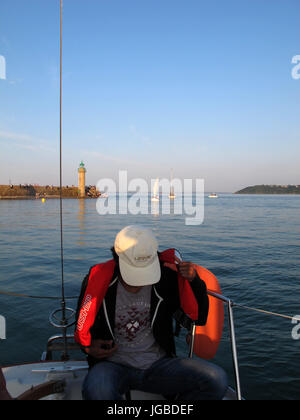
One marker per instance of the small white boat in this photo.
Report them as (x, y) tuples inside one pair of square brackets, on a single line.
[(172, 195), (155, 196), (213, 195)]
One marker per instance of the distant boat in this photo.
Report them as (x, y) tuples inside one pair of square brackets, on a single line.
[(172, 195), (213, 195), (155, 196)]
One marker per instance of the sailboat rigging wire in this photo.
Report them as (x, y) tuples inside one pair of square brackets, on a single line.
[(249, 308), (63, 321), (36, 297), (263, 311), (60, 166)]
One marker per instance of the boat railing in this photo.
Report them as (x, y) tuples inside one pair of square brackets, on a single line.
[(56, 343), (229, 303)]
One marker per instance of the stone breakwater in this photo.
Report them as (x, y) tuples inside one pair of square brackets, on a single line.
[(48, 191)]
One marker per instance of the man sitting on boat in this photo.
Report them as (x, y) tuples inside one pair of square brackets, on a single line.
[(125, 324)]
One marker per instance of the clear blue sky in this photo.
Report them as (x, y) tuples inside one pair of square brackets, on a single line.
[(203, 87)]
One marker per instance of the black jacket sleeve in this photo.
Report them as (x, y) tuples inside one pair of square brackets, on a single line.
[(200, 291)]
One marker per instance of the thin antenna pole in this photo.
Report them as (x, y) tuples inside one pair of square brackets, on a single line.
[(63, 302), (60, 156)]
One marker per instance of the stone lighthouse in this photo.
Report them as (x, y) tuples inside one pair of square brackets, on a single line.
[(81, 180)]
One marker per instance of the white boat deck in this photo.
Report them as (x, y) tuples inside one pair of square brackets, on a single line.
[(21, 378)]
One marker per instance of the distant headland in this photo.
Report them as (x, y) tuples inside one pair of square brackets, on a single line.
[(271, 189)]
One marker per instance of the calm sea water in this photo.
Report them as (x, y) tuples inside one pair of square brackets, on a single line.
[(251, 243)]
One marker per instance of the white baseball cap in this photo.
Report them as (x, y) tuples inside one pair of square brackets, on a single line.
[(137, 249)]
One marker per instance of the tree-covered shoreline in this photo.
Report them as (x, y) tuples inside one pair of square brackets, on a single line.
[(271, 189)]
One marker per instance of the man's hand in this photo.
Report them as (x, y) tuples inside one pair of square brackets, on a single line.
[(186, 269), (101, 349)]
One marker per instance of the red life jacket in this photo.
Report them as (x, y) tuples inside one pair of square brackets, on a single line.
[(98, 283)]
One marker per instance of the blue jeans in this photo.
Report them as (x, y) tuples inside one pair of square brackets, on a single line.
[(187, 379)]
